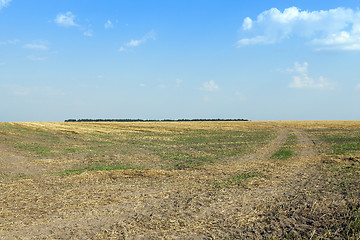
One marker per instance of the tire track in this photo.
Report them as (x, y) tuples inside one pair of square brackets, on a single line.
[(307, 145), (253, 161)]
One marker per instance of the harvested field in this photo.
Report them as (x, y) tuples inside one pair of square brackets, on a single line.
[(180, 180)]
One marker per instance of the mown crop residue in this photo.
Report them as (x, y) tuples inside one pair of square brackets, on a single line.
[(286, 151), (180, 180), (98, 168), (238, 180)]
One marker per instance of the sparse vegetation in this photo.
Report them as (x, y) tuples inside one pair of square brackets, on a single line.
[(98, 168), (153, 120), (286, 151), (340, 141), (34, 148), (282, 154), (237, 180), (223, 180)]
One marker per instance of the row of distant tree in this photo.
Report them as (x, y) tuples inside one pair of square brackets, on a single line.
[(148, 120)]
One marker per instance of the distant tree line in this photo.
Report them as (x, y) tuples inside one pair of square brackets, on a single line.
[(148, 120)]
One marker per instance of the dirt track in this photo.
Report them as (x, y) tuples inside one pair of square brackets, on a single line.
[(169, 204)]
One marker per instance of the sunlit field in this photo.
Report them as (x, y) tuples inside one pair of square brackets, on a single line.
[(185, 180)]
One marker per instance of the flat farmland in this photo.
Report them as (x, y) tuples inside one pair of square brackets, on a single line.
[(180, 180)]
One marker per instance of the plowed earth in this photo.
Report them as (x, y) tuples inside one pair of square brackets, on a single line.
[(179, 180)]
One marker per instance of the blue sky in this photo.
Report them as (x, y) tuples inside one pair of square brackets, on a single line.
[(260, 60)]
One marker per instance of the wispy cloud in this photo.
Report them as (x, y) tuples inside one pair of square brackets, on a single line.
[(135, 43), (10, 42), (4, 3), (24, 91), (210, 86), (39, 50), (240, 96), (88, 33), (108, 24), (66, 20), (334, 29), (36, 58), (121, 49), (178, 82), (301, 78), (357, 86), (144, 39), (40, 45), (161, 86)]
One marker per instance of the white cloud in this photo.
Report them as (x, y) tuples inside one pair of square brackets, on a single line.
[(301, 78), (88, 33), (337, 29), (108, 24), (210, 86), (340, 41), (4, 3), (66, 20), (357, 86), (41, 45), (247, 24)]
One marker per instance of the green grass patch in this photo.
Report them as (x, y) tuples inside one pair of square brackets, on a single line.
[(21, 176), (97, 168), (283, 154), (291, 140), (340, 141), (99, 148), (242, 176), (34, 148), (346, 148), (13, 127), (198, 147), (286, 152), (3, 175), (72, 150), (238, 180), (178, 149)]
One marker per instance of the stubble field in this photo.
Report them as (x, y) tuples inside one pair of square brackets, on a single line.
[(180, 180)]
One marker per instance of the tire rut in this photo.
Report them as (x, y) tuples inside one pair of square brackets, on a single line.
[(11, 164), (307, 145), (247, 162)]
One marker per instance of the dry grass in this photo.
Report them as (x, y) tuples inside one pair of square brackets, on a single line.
[(182, 180)]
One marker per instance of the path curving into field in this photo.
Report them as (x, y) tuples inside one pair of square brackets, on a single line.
[(159, 204), (15, 165)]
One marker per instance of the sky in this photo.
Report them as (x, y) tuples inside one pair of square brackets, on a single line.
[(174, 59)]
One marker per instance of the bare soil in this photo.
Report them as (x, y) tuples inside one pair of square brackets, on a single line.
[(298, 198)]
